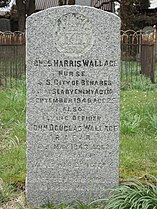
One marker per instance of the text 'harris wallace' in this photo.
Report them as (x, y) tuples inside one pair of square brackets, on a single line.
[(75, 63), (73, 103)]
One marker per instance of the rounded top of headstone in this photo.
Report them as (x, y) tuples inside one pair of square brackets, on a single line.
[(73, 30), (65, 8)]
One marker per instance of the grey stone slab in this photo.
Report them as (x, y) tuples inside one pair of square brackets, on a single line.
[(83, 2), (4, 25), (73, 71)]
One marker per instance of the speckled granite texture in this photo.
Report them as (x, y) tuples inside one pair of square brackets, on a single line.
[(73, 67)]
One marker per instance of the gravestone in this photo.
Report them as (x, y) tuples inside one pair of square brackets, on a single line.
[(4, 24), (148, 30), (84, 2), (73, 58)]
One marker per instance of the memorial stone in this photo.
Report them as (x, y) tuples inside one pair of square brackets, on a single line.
[(83, 2), (4, 25), (73, 71)]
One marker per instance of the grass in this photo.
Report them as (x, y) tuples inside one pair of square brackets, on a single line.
[(12, 114), (135, 195), (138, 132), (138, 139), (12, 140)]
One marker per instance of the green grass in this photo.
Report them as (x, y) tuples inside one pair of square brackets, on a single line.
[(138, 133), (12, 139), (12, 117), (138, 139), (135, 195)]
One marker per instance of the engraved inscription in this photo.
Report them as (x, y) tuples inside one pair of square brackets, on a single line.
[(74, 34), (72, 104)]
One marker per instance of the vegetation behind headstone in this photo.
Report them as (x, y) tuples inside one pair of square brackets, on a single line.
[(136, 14)]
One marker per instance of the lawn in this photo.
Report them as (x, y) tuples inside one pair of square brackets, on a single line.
[(138, 138)]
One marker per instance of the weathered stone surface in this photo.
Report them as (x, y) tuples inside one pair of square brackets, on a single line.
[(73, 57), (83, 2)]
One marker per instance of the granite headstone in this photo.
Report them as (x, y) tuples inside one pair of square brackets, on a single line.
[(83, 2), (73, 58)]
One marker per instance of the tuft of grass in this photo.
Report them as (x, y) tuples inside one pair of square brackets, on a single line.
[(77, 204), (138, 112), (12, 114), (7, 192), (13, 165), (152, 122), (134, 195), (130, 122)]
